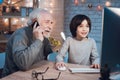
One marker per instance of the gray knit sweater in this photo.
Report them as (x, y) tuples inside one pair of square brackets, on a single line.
[(23, 51), (79, 52)]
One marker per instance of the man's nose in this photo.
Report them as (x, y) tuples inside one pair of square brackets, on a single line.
[(49, 28)]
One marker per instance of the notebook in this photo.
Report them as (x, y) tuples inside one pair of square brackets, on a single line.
[(84, 70)]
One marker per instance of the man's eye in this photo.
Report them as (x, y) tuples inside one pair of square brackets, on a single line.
[(51, 22), (46, 21)]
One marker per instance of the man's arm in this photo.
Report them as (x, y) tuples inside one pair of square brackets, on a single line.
[(47, 48), (24, 54)]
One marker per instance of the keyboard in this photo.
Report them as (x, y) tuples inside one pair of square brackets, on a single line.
[(84, 70)]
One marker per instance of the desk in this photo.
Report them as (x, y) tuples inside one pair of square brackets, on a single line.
[(3, 41), (51, 73)]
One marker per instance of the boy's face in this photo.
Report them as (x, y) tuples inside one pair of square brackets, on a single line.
[(82, 30)]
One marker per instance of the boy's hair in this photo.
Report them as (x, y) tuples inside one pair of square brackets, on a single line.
[(76, 21)]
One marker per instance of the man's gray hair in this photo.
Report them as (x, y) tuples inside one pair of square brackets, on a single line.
[(36, 13)]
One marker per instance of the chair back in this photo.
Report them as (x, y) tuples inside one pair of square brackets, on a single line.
[(2, 59), (2, 62), (52, 57)]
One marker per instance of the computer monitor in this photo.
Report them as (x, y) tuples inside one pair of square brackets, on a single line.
[(110, 48)]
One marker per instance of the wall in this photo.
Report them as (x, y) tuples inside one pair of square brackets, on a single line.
[(56, 8), (64, 10), (96, 16)]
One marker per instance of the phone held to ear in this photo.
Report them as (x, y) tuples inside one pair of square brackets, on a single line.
[(34, 24)]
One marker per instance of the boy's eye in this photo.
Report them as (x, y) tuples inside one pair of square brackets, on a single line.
[(83, 26), (80, 26), (87, 26)]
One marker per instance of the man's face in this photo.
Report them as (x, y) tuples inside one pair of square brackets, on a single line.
[(46, 23)]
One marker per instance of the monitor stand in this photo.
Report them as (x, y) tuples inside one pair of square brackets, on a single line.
[(105, 73)]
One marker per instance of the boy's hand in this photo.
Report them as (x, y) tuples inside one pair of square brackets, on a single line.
[(95, 66)]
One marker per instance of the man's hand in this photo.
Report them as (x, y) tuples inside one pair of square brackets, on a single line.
[(38, 32)]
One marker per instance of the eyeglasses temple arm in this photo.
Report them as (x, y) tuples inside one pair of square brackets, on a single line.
[(46, 69), (59, 75)]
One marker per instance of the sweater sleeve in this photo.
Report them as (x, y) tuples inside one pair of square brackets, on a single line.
[(24, 54), (47, 48), (95, 59), (63, 51)]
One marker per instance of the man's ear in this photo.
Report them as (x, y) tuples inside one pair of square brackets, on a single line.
[(33, 20)]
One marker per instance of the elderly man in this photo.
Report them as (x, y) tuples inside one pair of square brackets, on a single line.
[(29, 44)]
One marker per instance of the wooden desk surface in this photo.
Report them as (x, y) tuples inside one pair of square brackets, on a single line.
[(51, 73)]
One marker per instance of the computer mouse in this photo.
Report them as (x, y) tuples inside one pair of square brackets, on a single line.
[(61, 68)]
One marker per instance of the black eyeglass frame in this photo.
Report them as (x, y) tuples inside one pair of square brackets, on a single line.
[(35, 74), (52, 78)]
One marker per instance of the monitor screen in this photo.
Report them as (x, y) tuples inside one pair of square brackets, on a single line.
[(110, 49)]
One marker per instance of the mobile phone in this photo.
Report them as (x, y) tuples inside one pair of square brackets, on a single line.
[(34, 23)]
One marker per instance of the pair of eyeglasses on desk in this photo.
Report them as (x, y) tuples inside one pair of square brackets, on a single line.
[(35, 75), (52, 78)]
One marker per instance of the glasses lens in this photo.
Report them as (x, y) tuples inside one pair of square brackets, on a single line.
[(35, 74)]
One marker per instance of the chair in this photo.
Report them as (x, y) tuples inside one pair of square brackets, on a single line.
[(2, 62), (2, 59), (52, 57)]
